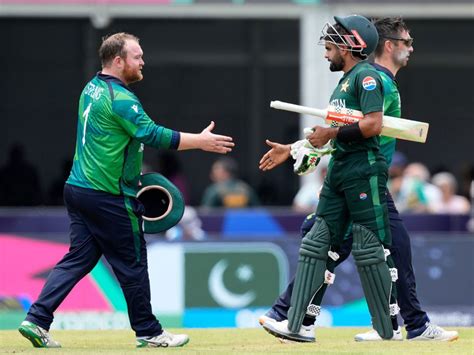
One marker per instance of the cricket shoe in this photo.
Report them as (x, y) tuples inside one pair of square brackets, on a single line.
[(39, 337), (164, 340), (280, 330), (372, 335), (432, 332), (270, 316)]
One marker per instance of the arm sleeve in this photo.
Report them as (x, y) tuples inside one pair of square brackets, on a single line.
[(134, 120), (392, 105), (370, 91)]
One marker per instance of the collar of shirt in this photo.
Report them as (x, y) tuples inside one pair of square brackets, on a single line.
[(106, 77), (384, 70)]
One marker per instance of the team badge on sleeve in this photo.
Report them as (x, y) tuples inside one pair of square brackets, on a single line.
[(369, 83)]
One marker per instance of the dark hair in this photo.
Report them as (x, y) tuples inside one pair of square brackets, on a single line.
[(335, 30), (114, 45), (388, 27)]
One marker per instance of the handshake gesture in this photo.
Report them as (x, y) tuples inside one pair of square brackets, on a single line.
[(305, 155)]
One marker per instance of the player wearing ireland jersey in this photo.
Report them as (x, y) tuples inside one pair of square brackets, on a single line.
[(392, 53), (106, 218), (112, 131)]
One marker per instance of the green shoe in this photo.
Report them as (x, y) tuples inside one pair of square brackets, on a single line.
[(39, 337)]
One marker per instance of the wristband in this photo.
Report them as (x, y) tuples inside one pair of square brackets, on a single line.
[(350, 133)]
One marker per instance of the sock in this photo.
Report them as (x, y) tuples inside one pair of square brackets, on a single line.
[(394, 322), (309, 320)]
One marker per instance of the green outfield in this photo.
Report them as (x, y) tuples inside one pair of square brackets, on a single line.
[(236, 341)]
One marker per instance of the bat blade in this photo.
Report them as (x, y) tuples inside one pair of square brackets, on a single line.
[(401, 128)]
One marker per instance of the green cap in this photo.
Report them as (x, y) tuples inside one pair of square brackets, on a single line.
[(163, 202)]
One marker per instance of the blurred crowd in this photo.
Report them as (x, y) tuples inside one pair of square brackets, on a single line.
[(414, 188)]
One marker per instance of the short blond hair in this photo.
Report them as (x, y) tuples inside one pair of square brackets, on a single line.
[(114, 45)]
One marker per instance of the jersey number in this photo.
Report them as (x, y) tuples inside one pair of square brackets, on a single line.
[(86, 115)]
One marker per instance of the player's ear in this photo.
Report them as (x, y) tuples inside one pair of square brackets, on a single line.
[(388, 45), (342, 49), (118, 61)]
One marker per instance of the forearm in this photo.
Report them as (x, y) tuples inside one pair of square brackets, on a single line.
[(371, 124), (190, 141)]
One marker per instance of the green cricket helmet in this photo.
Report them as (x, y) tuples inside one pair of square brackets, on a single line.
[(361, 35), (163, 203)]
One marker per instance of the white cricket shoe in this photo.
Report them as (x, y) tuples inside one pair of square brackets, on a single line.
[(280, 330), (264, 318), (164, 340), (372, 335), (434, 332)]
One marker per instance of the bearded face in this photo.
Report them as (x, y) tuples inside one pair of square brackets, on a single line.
[(133, 63), (333, 55), (132, 73), (337, 63)]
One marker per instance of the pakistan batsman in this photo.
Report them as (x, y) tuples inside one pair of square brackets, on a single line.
[(392, 53), (354, 188)]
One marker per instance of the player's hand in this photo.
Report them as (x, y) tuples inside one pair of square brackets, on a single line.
[(215, 143), (278, 154), (321, 135)]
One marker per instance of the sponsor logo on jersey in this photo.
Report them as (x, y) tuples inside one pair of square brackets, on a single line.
[(135, 108), (369, 83), (362, 196)]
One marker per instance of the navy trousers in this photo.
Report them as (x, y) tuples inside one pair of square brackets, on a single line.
[(410, 309), (109, 225)]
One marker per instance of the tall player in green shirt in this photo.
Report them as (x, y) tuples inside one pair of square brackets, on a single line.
[(106, 218), (392, 53)]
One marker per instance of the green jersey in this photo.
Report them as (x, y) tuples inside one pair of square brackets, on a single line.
[(112, 130), (392, 107), (359, 89)]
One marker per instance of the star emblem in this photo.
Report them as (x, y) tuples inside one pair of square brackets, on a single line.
[(345, 86), (244, 272)]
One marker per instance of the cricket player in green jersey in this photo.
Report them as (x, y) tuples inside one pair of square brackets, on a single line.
[(392, 53), (354, 188), (100, 194)]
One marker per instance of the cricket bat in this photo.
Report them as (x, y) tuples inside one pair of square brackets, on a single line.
[(395, 127)]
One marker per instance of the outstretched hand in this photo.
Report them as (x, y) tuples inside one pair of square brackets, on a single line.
[(277, 155), (215, 143)]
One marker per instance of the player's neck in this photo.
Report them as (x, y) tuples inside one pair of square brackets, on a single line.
[(387, 63), (114, 73), (349, 64)]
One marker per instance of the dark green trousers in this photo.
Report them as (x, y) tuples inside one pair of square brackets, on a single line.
[(354, 190)]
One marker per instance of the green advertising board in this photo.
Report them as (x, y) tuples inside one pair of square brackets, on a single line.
[(234, 275)]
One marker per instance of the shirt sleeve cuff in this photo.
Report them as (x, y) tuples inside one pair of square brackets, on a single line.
[(175, 139)]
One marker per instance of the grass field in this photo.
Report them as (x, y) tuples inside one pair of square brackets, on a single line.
[(236, 341)]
